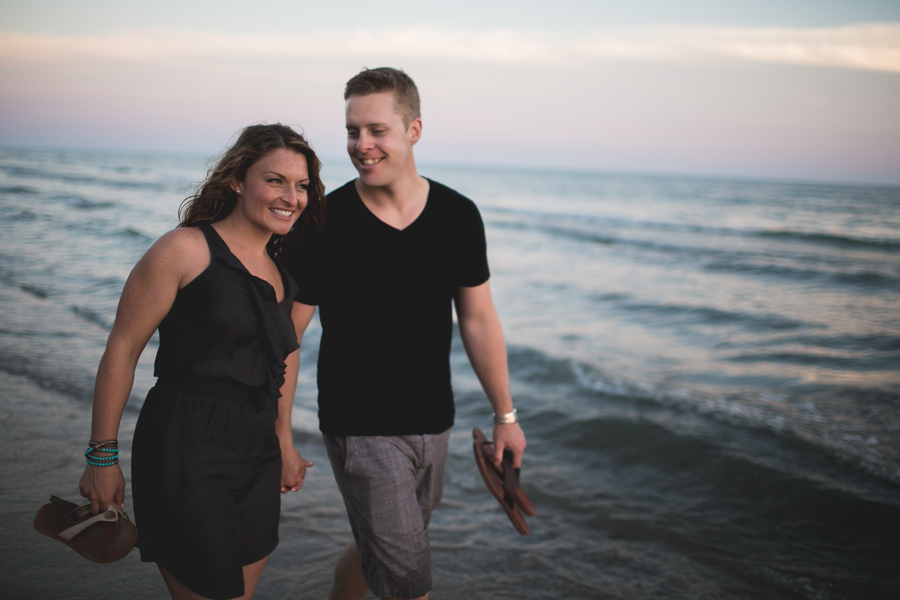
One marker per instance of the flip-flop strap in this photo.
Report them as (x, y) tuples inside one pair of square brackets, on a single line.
[(506, 472), (75, 512), (80, 512), (487, 452), (510, 480), (111, 515)]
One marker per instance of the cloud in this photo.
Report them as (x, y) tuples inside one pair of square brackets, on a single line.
[(873, 46), (661, 99)]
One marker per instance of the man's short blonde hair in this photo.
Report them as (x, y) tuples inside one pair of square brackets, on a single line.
[(387, 79)]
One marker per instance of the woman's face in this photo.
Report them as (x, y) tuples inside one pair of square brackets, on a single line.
[(274, 192)]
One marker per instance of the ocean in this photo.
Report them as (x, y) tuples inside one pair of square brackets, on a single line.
[(707, 372)]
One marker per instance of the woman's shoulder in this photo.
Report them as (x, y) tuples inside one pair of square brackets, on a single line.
[(182, 251), (184, 240)]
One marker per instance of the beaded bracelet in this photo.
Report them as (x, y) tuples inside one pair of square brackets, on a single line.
[(109, 446), (101, 461), (96, 464), (93, 464)]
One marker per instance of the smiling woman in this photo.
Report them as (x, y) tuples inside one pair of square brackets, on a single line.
[(258, 154), (213, 444), (273, 192)]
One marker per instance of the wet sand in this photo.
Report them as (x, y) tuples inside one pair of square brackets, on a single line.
[(41, 445), (44, 432)]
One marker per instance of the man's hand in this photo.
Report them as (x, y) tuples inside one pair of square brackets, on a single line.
[(512, 438)]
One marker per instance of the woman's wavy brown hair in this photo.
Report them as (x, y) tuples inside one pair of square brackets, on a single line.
[(215, 199)]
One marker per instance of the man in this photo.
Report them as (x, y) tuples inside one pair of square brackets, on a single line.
[(396, 252)]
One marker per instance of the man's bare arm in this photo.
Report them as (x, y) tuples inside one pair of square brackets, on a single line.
[(482, 336)]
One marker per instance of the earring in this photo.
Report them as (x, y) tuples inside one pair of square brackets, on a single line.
[(238, 191)]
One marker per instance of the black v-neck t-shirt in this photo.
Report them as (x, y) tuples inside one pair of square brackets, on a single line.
[(385, 304)]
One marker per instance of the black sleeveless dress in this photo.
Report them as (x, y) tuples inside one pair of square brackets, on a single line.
[(206, 464)]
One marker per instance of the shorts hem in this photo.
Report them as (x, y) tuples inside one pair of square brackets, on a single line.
[(148, 557), (199, 590), (263, 554)]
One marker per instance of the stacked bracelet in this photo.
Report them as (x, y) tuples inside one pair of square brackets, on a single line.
[(111, 447), (108, 445), (507, 419)]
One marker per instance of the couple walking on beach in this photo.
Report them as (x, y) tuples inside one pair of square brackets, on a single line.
[(232, 290)]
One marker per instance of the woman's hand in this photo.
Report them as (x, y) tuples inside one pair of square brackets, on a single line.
[(103, 486), (293, 470)]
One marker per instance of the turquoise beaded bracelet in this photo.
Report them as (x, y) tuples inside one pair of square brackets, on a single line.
[(101, 461)]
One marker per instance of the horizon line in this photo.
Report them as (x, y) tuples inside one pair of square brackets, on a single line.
[(506, 167)]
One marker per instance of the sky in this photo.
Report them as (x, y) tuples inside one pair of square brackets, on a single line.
[(791, 89)]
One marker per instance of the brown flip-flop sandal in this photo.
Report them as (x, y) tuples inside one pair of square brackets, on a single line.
[(101, 538), (503, 482)]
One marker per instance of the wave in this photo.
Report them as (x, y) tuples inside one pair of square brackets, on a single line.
[(854, 363), (134, 233), (535, 366), (595, 237), (707, 315), (34, 291), (813, 421), (856, 353), (20, 215), (877, 342), (831, 239), (730, 497), (556, 224), (541, 221), (860, 279), (74, 178), (72, 383), (80, 203), (715, 478), (91, 316), (17, 189), (67, 383), (757, 261)]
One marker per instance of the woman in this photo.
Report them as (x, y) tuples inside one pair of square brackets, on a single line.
[(213, 443)]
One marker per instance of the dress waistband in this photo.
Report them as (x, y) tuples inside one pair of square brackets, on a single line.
[(210, 387)]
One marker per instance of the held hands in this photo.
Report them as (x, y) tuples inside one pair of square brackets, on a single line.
[(512, 438), (293, 470), (103, 486)]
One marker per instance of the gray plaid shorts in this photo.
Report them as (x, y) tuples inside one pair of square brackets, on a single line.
[(390, 485)]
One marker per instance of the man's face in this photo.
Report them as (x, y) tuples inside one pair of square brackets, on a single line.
[(379, 146)]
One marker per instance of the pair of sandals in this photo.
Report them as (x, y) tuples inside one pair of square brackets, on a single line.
[(503, 482), (102, 538), (109, 536)]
